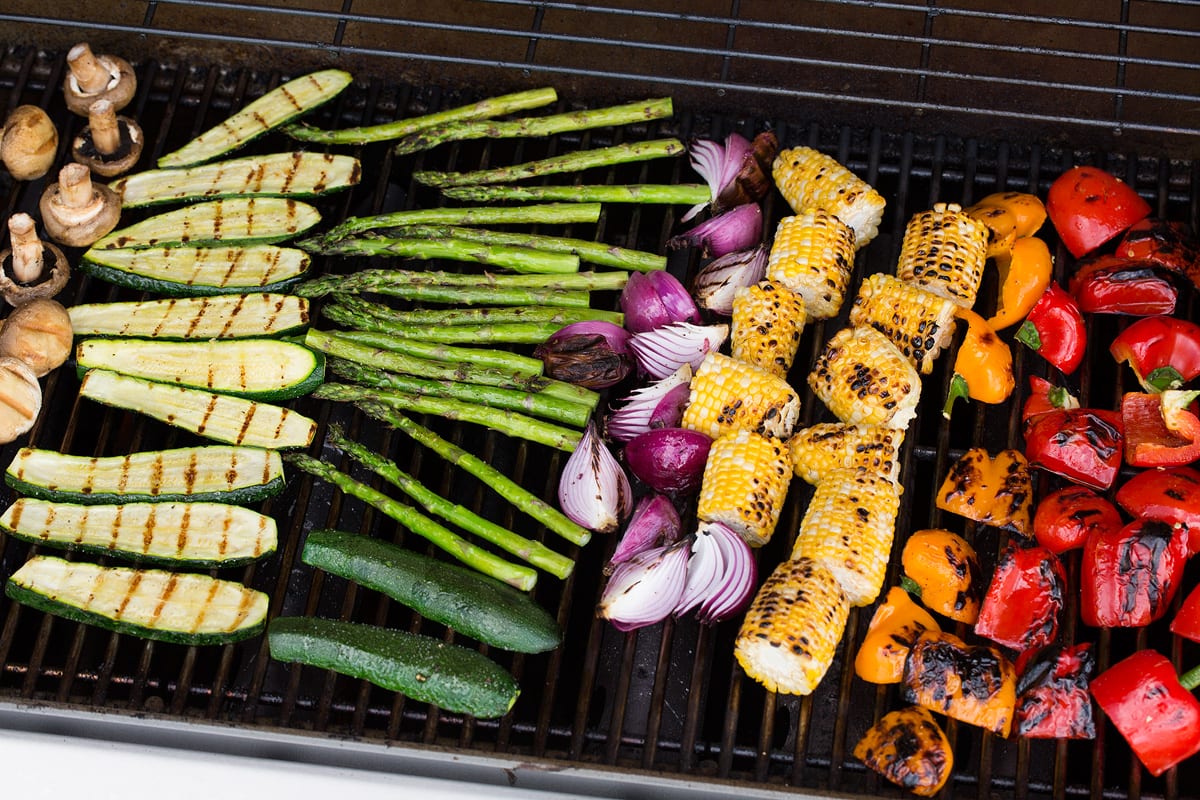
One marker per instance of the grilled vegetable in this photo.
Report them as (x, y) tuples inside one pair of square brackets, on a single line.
[(1045, 397), (1025, 273), (229, 316), (461, 599), (766, 326), (223, 418), (1002, 228), (727, 394), (745, 483), (896, 624), (234, 221), (199, 270), (1052, 693), (1186, 622), (1027, 210), (918, 322), (812, 255), (1109, 284), (1160, 429), (1088, 207), (848, 529), (944, 569), (20, 398), (278, 106), (1163, 352), (943, 251), (982, 367), (1024, 599), (1066, 517), (909, 749), (175, 607), (791, 631), (974, 684), (216, 473), (1171, 495), (1128, 577), (993, 490), (172, 534), (258, 369), (429, 670), (1054, 329), (821, 448), (1083, 445), (863, 378), (39, 334), (1171, 245), (810, 179)]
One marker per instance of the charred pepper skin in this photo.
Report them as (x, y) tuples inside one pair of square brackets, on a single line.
[(1171, 495), (909, 748), (1128, 579), (1023, 602), (1066, 517), (1052, 693), (974, 684), (1084, 445), (1169, 244)]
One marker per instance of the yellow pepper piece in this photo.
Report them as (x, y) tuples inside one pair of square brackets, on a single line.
[(983, 367), (1025, 273), (945, 569), (1028, 211), (1001, 224), (897, 623), (993, 490)]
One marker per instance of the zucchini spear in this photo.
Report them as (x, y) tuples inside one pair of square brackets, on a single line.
[(197, 271), (236, 220)]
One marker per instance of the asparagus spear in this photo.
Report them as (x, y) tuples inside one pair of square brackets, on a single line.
[(518, 259), (571, 162), (453, 295), (474, 316), (490, 107), (527, 550), (510, 423), (500, 483), (370, 328), (487, 358), (522, 577), (536, 126), (686, 194), (375, 280), (546, 213)]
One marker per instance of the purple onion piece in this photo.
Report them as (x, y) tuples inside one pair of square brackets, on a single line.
[(669, 460), (593, 489), (739, 228), (636, 412), (717, 282), (669, 411), (656, 298), (645, 589), (655, 522), (663, 350), (593, 353)]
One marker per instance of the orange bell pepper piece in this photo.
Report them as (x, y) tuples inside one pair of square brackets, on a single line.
[(1025, 272), (897, 622), (972, 684), (1028, 211), (908, 748), (943, 569), (993, 490), (983, 367)]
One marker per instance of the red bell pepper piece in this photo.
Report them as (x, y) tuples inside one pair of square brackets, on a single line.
[(1052, 693), (1064, 518), (1114, 285), (1054, 329), (1021, 606), (1171, 495), (1168, 244), (1152, 707), (1045, 397), (1160, 431), (1088, 207), (1187, 619), (1164, 352), (1128, 578), (1083, 445)]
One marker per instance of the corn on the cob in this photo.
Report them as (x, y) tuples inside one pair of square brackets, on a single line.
[(943, 251), (813, 255), (848, 528), (819, 449), (792, 628), (862, 377), (918, 322), (766, 326), (745, 482), (727, 394), (807, 178)]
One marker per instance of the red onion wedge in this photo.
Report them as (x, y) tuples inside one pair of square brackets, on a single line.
[(663, 350), (739, 228), (593, 353), (645, 407), (655, 522), (652, 299), (737, 172), (717, 281), (646, 588), (669, 460), (593, 490), (721, 574)]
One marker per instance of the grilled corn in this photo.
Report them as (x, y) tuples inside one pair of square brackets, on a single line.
[(819, 449), (728, 394), (745, 483), (918, 322), (813, 255), (808, 178), (943, 251), (862, 377), (792, 628), (766, 326)]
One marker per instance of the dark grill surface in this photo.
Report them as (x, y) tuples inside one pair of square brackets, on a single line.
[(667, 700)]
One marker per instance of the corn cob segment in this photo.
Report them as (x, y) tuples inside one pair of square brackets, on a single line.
[(819, 449), (791, 631), (767, 323), (848, 528), (808, 178), (918, 322), (863, 378), (744, 485), (728, 394), (943, 251), (813, 255)]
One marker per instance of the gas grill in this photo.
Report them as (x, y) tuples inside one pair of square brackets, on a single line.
[(927, 101)]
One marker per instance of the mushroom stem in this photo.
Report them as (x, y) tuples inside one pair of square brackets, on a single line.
[(26, 248), (106, 131), (75, 186), (90, 73)]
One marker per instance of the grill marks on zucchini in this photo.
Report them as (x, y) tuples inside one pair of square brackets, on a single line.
[(234, 220), (232, 316), (199, 270)]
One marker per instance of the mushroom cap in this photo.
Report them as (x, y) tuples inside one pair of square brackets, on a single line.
[(120, 90), (52, 281), (38, 333), (29, 144), (20, 398), (79, 227), (127, 155)]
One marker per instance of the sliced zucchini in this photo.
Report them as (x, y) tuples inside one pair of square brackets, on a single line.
[(214, 473), (228, 316), (198, 535), (234, 220), (296, 174), (176, 607), (222, 418), (257, 369), (199, 270), (421, 667), (276, 107)]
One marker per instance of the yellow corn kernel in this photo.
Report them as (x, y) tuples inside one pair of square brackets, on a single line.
[(819, 449), (808, 178), (727, 394), (745, 483), (813, 255), (943, 251), (768, 321), (791, 631), (918, 322), (862, 377)]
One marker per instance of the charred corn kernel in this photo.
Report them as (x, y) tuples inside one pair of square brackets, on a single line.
[(993, 490), (943, 251), (727, 394), (819, 449), (908, 748), (862, 377), (745, 483), (766, 326), (896, 624), (972, 684), (945, 570), (848, 528), (918, 322), (791, 631), (813, 255), (808, 178)]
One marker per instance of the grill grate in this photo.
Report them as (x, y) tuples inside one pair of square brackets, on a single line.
[(667, 700)]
